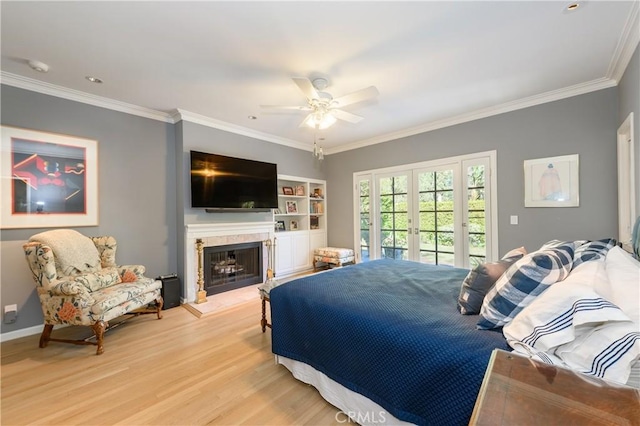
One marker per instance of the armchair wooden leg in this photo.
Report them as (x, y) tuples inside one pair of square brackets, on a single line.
[(99, 328), (159, 304), (46, 335)]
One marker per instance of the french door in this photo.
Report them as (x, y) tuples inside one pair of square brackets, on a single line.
[(363, 218), (435, 212)]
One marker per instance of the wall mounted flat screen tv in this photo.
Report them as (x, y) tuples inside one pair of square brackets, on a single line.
[(220, 182)]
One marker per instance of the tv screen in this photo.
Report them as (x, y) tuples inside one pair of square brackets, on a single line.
[(220, 182)]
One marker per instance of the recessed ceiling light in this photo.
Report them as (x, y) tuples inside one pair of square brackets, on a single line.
[(93, 79), (252, 117), (38, 66)]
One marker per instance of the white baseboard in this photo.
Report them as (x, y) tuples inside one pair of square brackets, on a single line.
[(23, 332)]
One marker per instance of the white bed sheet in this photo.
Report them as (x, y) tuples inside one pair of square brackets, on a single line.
[(360, 408)]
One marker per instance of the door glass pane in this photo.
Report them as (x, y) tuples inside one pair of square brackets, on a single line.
[(445, 241), (446, 259), (400, 203), (386, 203), (365, 220), (401, 221), (386, 221), (427, 241), (426, 182), (476, 215), (436, 216), (444, 180), (394, 217), (386, 186), (427, 201), (428, 257), (427, 221), (444, 221)]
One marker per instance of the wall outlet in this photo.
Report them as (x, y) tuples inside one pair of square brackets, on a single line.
[(10, 314)]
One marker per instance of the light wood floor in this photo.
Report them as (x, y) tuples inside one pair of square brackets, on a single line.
[(179, 370)]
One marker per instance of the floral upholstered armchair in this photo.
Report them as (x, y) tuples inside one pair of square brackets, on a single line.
[(79, 283)]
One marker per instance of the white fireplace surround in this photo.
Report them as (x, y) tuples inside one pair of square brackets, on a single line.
[(220, 234)]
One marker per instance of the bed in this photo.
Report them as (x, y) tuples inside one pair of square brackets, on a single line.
[(392, 341), (390, 331)]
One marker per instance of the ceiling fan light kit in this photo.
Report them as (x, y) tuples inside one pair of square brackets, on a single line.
[(324, 109), (320, 120)]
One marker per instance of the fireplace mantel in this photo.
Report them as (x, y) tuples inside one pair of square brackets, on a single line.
[(217, 234)]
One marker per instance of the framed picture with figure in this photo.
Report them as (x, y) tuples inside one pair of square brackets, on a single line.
[(551, 182), (292, 207)]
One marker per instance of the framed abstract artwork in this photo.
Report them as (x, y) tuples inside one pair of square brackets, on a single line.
[(47, 180), (552, 182)]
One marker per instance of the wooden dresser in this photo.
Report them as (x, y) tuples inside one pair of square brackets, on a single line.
[(519, 391)]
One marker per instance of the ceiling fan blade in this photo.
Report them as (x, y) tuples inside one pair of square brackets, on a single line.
[(304, 122), (346, 116), (307, 88), (286, 107), (358, 96)]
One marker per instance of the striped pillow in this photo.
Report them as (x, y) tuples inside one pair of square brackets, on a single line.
[(609, 351), (523, 282), (592, 250), (561, 314), (573, 326)]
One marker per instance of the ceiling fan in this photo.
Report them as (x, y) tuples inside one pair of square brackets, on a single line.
[(323, 109)]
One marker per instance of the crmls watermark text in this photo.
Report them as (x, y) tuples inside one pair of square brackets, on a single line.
[(367, 417)]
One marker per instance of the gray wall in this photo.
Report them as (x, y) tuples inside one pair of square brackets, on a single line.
[(136, 181), (143, 185), (629, 92), (584, 125), (143, 169)]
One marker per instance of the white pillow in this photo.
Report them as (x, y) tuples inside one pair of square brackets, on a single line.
[(624, 279), (608, 351), (634, 376), (565, 311), (572, 324)]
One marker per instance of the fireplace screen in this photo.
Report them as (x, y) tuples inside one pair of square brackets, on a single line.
[(232, 266)]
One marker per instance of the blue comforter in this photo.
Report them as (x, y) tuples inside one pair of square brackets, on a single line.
[(389, 330)]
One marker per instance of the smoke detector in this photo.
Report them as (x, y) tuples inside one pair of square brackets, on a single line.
[(38, 66)]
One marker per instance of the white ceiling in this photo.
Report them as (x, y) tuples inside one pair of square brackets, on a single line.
[(434, 63)]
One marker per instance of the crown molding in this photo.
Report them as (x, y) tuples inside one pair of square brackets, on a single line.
[(627, 44), (83, 97), (180, 114), (543, 98)]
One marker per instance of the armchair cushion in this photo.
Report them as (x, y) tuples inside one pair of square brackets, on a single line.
[(124, 296), (97, 280), (74, 253)]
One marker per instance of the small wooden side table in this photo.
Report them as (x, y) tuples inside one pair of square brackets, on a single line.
[(519, 391)]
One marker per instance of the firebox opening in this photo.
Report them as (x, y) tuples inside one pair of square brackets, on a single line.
[(232, 266)]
